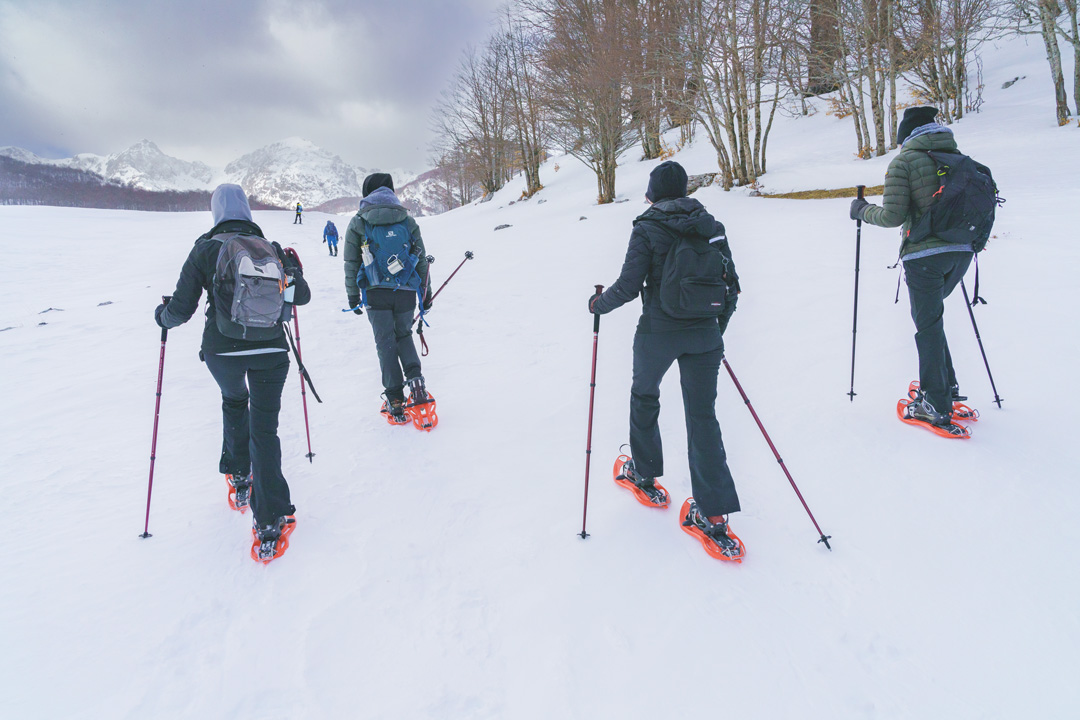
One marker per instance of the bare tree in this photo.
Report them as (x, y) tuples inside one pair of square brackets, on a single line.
[(521, 47), (1041, 17), (736, 50), (1073, 36), (587, 58)]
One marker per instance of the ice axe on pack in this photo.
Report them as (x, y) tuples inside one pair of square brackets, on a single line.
[(420, 327)]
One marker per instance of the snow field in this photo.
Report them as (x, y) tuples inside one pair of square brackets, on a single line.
[(439, 575)]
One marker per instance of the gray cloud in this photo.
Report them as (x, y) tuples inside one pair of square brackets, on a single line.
[(210, 80)]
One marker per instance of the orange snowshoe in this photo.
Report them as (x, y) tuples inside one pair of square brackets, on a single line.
[(647, 492), (716, 538), (272, 548), (395, 412), (960, 411), (952, 431), (422, 412), (239, 492)]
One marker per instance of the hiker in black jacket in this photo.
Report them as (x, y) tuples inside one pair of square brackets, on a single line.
[(660, 340), (250, 373)]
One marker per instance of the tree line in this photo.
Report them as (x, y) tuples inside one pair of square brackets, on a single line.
[(594, 77), (34, 184)]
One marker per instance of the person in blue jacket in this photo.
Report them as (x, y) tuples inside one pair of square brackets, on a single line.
[(299, 214), (329, 236)]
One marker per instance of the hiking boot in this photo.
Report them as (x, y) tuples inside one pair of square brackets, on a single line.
[(654, 493), (954, 392), (239, 491), (920, 409), (271, 540), (714, 529), (394, 409), (417, 390)]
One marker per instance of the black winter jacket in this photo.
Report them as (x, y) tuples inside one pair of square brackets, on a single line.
[(655, 230), (198, 275)]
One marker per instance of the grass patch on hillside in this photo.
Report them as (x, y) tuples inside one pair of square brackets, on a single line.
[(851, 192)]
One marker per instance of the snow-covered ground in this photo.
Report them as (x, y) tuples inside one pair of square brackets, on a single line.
[(441, 576)]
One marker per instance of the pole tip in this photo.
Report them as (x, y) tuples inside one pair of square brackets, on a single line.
[(145, 535), (583, 534), (825, 539)]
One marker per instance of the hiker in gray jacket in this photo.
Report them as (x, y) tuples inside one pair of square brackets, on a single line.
[(390, 311)]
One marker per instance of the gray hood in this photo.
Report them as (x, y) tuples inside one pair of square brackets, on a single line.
[(380, 196), (229, 203)]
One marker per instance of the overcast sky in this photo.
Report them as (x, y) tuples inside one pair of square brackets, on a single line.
[(211, 80)]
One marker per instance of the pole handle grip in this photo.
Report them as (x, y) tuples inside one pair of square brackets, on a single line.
[(860, 189), (165, 300), (596, 316)]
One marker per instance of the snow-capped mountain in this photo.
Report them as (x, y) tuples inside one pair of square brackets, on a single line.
[(281, 174), (295, 170), (143, 166)]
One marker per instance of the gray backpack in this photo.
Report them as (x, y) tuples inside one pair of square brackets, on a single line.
[(249, 287)]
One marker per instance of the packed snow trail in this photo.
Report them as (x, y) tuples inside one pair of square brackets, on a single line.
[(441, 574)]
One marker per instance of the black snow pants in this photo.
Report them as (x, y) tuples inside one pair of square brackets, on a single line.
[(251, 388), (391, 315), (930, 280), (699, 352)]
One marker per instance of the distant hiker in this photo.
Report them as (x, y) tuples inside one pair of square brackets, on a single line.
[(244, 348), (329, 236), (386, 270), (668, 331), (933, 266), (299, 214)]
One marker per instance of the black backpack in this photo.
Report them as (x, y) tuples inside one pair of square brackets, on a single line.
[(696, 279), (964, 205)]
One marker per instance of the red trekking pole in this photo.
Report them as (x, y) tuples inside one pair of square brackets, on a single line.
[(157, 413), (300, 362), (824, 538), (592, 395)]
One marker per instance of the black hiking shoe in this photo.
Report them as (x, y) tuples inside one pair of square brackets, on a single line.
[(717, 532), (239, 491), (271, 540), (417, 390), (394, 409), (656, 494), (920, 409)]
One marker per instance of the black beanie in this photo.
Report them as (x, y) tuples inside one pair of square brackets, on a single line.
[(374, 181), (666, 181), (914, 117)]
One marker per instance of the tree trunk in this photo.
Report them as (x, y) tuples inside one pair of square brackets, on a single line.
[(1048, 12)]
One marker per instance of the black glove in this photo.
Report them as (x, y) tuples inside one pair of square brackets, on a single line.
[(592, 302), (354, 303), (427, 300), (157, 316), (858, 206)]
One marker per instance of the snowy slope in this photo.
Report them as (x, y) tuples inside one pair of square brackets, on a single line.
[(440, 576)]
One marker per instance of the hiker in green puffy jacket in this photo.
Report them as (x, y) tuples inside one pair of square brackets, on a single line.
[(390, 311), (932, 267)]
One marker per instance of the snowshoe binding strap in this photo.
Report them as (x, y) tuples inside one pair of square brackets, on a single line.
[(395, 412), (239, 492), (422, 412), (717, 538), (646, 490), (270, 543)]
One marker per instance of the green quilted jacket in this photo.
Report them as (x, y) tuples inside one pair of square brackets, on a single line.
[(910, 184)]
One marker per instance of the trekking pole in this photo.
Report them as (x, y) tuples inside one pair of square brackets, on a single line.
[(855, 313), (303, 392), (592, 396), (291, 253), (468, 256), (157, 412), (967, 301), (824, 538)]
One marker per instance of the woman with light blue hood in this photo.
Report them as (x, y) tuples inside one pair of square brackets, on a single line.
[(250, 366)]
